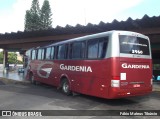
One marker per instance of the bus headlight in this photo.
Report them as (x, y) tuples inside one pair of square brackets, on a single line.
[(115, 83)]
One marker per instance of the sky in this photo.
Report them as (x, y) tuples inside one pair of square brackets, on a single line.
[(73, 12)]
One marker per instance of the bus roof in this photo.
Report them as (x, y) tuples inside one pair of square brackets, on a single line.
[(97, 35)]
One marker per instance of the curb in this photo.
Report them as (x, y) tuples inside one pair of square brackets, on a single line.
[(156, 86), (11, 81), (156, 89)]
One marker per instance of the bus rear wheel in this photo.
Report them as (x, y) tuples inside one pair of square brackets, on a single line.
[(66, 87)]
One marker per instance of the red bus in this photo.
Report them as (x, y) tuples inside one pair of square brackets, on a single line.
[(113, 64)]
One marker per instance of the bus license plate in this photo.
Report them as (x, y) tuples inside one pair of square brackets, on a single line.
[(136, 85)]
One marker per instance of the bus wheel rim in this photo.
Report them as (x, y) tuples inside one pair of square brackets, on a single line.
[(32, 79), (65, 87)]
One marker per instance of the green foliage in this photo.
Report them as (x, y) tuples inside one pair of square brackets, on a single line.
[(35, 7), (28, 25), (46, 14), (36, 19), (1, 57), (12, 58), (32, 17)]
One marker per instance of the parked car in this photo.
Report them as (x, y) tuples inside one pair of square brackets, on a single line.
[(20, 70), (158, 78)]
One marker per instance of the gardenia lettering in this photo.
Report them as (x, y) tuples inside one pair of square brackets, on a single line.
[(125, 65), (76, 68)]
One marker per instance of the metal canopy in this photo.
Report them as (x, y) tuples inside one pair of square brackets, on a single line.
[(149, 26)]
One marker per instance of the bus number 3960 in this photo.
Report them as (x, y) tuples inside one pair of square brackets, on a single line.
[(137, 52)]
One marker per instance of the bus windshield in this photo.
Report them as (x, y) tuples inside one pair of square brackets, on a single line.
[(133, 45)]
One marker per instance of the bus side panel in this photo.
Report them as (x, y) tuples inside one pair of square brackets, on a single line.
[(43, 71), (114, 75), (61, 72), (55, 74), (94, 81), (33, 68)]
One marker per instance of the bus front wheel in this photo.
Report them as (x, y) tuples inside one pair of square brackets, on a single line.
[(66, 87), (32, 79)]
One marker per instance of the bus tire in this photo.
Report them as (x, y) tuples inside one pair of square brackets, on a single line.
[(65, 87), (32, 79)]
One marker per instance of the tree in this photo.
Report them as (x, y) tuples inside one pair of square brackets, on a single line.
[(46, 14), (12, 58), (28, 21), (36, 19), (35, 7), (32, 17), (1, 57)]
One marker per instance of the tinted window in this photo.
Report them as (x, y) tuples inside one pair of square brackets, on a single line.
[(33, 54), (48, 53), (28, 54), (61, 52), (97, 48), (102, 47), (77, 50), (39, 54), (133, 45), (92, 48), (52, 53), (42, 57)]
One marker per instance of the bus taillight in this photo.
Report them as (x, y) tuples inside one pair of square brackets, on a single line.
[(115, 82)]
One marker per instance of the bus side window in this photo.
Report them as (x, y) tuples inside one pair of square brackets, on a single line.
[(36, 54), (92, 49), (48, 53), (77, 50), (61, 52), (52, 52), (28, 54), (102, 49), (42, 54), (97, 48), (33, 54), (66, 51), (39, 56)]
